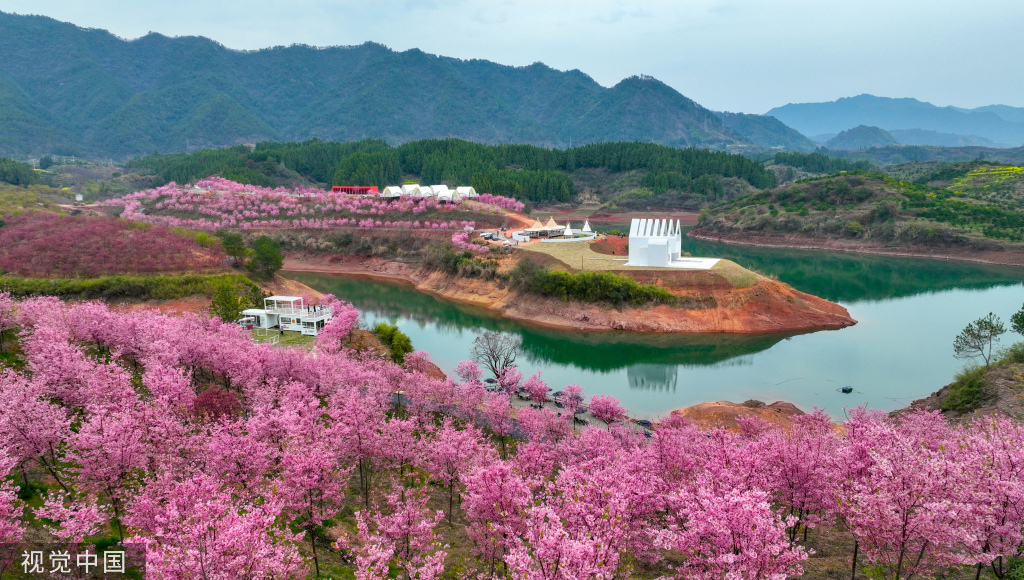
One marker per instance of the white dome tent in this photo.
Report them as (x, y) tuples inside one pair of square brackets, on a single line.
[(416, 190)]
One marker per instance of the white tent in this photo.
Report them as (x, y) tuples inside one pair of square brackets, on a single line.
[(568, 229), (548, 230), (414, 190), (438, 189), (466, 192), (391, 191), (586, 228)]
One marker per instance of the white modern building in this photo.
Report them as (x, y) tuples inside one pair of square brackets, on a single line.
[(654, 242), (659, 244), (289, 313)]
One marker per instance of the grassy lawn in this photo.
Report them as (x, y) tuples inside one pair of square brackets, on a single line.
[(290, 338), (737, 275), (579, 256)]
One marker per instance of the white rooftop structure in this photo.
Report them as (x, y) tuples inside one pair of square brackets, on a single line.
[(391, 191), (466, 191), (659, 243), (438, 189)]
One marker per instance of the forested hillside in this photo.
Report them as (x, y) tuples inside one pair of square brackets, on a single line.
[(525, 172), (968, 206), (862, 137), (75, 91), (16, 173)]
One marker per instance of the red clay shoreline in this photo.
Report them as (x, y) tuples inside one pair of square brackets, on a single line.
[(769, 307)]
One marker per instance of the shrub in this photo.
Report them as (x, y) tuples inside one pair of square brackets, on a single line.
[(230, 299), (587, 286), (266, 257), (1013, 354), (853, 228), (965, 393), (395, 340), (114, 287)]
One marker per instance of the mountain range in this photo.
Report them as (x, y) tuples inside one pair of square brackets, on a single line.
[(70, 90), (910, 121)]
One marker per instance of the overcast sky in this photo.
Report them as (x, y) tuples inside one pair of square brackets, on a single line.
[(734, 55)]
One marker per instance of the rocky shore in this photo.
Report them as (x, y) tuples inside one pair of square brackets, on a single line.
[(767, 306)]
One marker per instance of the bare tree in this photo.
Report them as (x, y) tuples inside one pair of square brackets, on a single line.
[(978, 338), (496, 351)]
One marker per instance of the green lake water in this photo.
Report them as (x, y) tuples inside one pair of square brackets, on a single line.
[(908, 313)]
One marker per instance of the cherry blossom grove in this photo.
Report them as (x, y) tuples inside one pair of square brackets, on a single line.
[(253, 461), (216, 203)]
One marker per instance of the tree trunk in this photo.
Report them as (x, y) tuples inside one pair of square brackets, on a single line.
[(853, 568), (999, 571), (316, 560)]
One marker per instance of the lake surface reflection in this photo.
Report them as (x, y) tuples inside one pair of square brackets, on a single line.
[(908, 311)]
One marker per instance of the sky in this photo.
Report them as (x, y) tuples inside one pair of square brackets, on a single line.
[(730, 55)]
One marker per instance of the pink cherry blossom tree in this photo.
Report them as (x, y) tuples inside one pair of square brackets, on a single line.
[(607, 409)]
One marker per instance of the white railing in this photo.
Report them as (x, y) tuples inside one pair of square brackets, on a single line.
[(286, 310), (301, 312)]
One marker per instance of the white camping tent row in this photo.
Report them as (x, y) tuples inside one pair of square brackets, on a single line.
[(441, 192)]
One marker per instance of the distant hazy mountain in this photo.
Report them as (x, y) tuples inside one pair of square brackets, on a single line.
[(895, 114), (1012, 114), (65, 89), (862, 137), (766, 131)]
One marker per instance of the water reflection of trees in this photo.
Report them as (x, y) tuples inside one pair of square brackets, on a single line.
[(603, 351), (851, 277), (611, 351)]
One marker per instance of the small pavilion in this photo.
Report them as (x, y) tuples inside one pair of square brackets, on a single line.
[(548, 230)]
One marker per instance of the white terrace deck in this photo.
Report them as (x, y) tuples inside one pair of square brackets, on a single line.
[(294, 314)]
